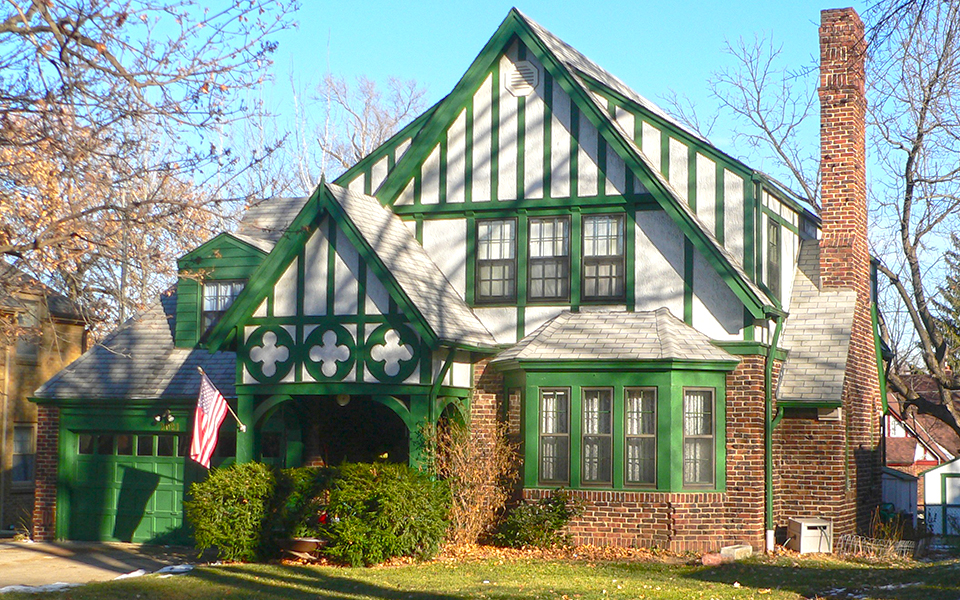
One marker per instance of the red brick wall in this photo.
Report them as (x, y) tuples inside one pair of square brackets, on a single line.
[(692, 521), (844, 253), (45, 497), (486, 405)]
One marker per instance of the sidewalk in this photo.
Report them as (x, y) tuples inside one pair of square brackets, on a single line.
[(33, 564)]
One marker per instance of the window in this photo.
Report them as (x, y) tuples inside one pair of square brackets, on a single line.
[(773, 257), (217, 298), (698, 437), (549, 264), (597, 444), (23, 454), (641, 436), (496, 260), (554, 435), (603, 257), (28, 338)]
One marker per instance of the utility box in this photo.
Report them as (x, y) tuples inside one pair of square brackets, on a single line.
[(810, 535)]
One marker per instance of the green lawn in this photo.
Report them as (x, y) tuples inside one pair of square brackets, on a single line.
[(532, 578)]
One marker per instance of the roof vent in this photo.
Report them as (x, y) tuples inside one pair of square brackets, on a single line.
[(522, 79)]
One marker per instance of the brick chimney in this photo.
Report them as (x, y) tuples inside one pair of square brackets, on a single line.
[(844, 252), (844, 257)]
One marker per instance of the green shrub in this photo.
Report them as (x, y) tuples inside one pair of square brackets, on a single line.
[(541, 524), (227, 509), (300, 500), (378, 511)]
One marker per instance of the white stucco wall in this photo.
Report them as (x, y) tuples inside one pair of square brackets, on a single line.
[(659, 263)]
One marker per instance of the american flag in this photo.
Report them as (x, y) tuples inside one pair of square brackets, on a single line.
[(211, 410)]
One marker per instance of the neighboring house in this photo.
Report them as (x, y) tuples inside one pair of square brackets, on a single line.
[(674, 338), (40, 333), (915, 443)]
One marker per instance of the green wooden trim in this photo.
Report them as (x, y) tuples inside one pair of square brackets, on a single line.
[(576, 259), (745, 348), (664, 154), (521, 145), (331, 265), (442, 175), (688, 259), (809, 404), (346, 387), (692, 178), (471, 266), (574, 149), (225, 239), (263, 280), (749, 230), (507, 207), (495, 131), (780, 220), (719, 195), (630, 243), (575, 366), (468, 156), (388, 148), (547, 133)]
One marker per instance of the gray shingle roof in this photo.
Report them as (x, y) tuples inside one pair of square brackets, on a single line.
[(139, 361), (816, 334), (615, 335), (267, 219), (420, 278), (13, 280)]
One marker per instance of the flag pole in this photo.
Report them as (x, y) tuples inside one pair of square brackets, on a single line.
[(239, 422)]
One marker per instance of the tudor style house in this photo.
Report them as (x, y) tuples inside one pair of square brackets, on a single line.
[(669, 333)]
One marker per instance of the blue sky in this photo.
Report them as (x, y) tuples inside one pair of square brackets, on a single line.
[(652, 46)]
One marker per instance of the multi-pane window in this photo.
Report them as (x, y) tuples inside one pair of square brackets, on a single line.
[(549, 264), (554, 435), (773, 257), (698, 437), (640, 405), (603, 257), (28, 336), (597, 444), (217, 298), (24, 453), (496, 260)]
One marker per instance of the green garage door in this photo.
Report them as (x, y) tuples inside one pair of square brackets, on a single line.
[(128, 487)]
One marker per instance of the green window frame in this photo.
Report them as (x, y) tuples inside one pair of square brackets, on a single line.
[(548, 264), (496, 261), (596, 437), (554, 445), (699, 437), (218, 295), (640, 433), (604, 258)]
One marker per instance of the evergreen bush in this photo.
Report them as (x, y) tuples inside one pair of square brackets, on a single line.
[(541, 524), (228, 508), (378, 511)]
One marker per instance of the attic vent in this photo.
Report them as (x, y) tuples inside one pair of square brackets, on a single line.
[(522, 79)]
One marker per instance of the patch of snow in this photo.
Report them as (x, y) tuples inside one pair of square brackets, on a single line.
[(36, 589), (137, 573), (176, 569)]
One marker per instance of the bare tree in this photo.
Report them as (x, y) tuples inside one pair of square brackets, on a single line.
[(914, 139), (110, 114), (915, 112)]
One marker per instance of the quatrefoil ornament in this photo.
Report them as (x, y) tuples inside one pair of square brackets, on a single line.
[(330, 354), (269, 352), (392, 352)]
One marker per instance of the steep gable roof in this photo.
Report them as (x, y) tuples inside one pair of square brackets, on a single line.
[(565, 65), (388, 248), (616, 336)]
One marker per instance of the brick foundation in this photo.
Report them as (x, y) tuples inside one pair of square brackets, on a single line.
[(45, 496)]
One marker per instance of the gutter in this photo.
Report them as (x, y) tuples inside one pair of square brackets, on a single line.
[(770, 423)]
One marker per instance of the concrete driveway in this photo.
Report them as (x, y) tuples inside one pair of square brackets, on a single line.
[(35, 564)]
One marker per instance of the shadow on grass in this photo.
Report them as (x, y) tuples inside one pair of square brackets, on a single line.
[(841, 580), (304, 582)]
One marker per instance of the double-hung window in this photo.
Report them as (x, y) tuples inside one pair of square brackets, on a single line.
[(604, 266), (554, 435), (24, 453), (496, 274), (640, 405), (773, 257), (549, 261), (217, 298), (699, 440), (597, 444)]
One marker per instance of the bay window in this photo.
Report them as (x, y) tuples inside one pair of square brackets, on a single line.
[(698, 437), (597, 442), (554, 456), (640, 405)]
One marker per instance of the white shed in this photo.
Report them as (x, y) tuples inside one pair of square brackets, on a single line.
[(900, 490), (941, 495)]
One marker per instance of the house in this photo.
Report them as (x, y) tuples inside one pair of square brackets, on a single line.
[(672, 336), (40, 333)]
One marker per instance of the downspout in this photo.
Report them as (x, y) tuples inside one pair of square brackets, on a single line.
[(770, 422)]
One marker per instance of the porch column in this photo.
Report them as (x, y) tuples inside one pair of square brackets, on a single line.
[(245, 439), (419, 426)]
